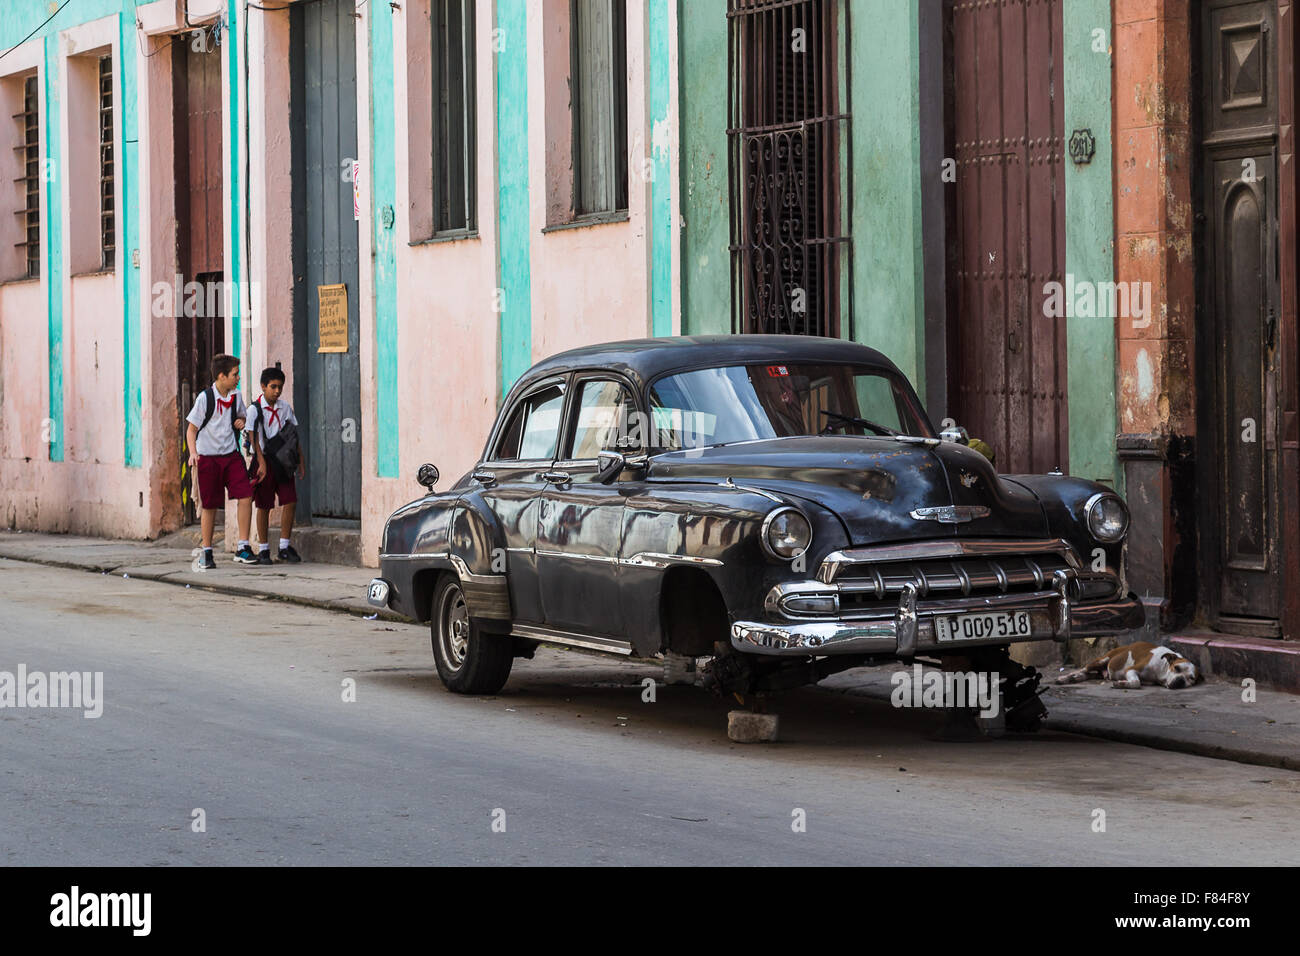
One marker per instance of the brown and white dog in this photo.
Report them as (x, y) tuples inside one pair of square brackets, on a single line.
[(1133, 665)]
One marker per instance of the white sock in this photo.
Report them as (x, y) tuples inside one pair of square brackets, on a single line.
[(266, 546), (284, 543), (243, 543)]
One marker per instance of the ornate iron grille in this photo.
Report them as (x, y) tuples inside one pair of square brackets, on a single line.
[(107, 230), (784, 140)]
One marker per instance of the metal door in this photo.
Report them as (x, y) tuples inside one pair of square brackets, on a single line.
[(1007, 374), (200, 233), (324, 124), (1240, 305)]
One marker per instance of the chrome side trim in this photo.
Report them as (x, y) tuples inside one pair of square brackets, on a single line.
[(655, 559), (607, 644), (577, 557), (441, 555)]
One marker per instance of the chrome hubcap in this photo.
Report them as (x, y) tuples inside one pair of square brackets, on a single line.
[(455, 627)]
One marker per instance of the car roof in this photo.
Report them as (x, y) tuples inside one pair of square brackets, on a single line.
[(644, 359)]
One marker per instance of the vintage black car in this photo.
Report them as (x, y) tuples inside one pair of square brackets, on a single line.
[(779, 504)]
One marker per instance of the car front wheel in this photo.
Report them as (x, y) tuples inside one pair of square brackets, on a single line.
[(469, 660)]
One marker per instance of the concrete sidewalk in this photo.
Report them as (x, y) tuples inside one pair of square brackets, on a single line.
[(1209, 720)]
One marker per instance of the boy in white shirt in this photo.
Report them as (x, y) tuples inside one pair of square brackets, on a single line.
[(212, 438), (267, 419)]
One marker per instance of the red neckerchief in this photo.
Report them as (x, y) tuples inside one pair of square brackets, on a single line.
[(274, 410)]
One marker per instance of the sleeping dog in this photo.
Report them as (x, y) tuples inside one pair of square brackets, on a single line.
[(1133, 665)]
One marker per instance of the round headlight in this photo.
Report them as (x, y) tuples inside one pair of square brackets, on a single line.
[(1107, 517), (786, 533)]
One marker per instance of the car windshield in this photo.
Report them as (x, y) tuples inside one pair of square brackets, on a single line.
[(715, 406)]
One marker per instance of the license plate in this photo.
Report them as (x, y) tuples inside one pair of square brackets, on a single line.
[(983, 627)]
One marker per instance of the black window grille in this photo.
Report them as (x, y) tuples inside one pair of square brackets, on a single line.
[(107, 218), (454, 106), (784, 138), (598, 53), (29, 124)]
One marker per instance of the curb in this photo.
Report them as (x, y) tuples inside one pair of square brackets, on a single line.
[(221, 588), (1139, 738)]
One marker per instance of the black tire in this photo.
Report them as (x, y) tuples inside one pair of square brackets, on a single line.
[(469, 659)]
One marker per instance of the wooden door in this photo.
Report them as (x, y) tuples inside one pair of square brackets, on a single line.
[(1239, 327), (324, 122), (1007, 374)]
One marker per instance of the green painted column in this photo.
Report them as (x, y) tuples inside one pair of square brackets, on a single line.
[(1089, 241), (514, 292), (52, 239), (128, 208), (383, 192), (888, 292), (661, 226), (230, 39)]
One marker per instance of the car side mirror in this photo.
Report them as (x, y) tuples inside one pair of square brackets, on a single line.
[(427, 475), (955, 434), (609, 465)]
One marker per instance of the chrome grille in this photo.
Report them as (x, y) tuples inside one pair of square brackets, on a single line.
[(871, 578)]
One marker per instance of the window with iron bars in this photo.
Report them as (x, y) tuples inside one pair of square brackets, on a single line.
[(107, 218), (29, 121), (454, 101), (784, 139)]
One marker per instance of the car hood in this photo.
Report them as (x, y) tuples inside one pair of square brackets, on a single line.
[(873, 484)]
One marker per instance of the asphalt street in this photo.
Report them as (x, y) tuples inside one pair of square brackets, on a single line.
[(238, 707)]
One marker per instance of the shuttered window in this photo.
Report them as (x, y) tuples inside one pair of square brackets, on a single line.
[(599, 70), (107, 220), (453, 117), (30, 181)]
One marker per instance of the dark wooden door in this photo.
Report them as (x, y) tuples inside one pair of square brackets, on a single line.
[(198, 299), (1240, 312), (1007, 376), (324, 120)]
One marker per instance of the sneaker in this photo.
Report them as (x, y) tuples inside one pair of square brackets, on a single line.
[(290, 555), (245, 555), (206, 562), (264, 556)]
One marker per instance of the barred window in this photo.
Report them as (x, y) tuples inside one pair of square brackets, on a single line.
[(107, 220), (30, 213), (454, 139), (598, 38), (784, 143)]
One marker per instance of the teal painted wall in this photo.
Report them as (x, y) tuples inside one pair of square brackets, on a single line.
[(661, 226), (881, 274), (885, 212), (1089, 243), (702, 138), (383, 191), (235, 213), (514, 288)]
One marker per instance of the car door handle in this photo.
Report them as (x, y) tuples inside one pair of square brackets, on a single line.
[(556, 477), (484, 477)]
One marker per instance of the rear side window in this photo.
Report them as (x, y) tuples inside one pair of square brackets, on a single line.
[(534, 428)]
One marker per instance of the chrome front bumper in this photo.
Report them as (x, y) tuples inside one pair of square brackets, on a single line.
[(1054, 615), (377, 592)]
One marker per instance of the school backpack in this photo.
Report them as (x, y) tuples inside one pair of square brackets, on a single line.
[(211, 393), (281, 450)]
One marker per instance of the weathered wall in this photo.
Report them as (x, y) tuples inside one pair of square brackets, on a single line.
[(1089, 242)]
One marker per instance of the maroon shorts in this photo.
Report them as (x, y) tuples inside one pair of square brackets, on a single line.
[(219, 474), (268, 489)]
